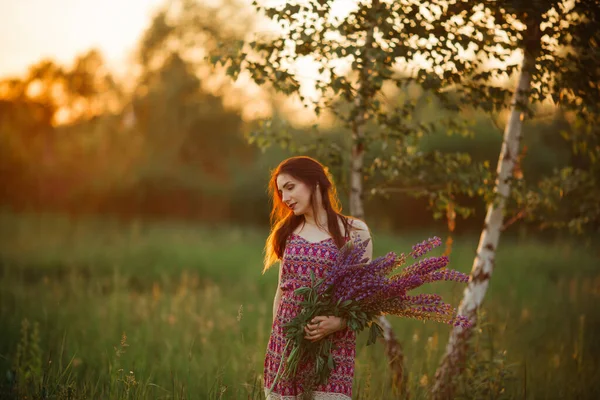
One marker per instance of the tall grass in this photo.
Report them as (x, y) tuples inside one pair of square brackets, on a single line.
[(98, 309)]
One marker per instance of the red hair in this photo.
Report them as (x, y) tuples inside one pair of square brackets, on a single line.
[(283, 221)]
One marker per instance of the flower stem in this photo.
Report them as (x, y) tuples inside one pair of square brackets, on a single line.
[(278, 369)]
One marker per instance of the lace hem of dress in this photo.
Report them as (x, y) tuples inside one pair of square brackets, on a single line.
[(316, 396)]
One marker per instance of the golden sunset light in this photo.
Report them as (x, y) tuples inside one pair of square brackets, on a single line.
[(34, 29), (311, 199)]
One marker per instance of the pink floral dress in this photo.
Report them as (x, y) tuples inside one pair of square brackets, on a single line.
[(299, 259)]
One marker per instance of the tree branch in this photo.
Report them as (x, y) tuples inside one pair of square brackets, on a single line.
[(408, 189), (496, 124), (520, 215)]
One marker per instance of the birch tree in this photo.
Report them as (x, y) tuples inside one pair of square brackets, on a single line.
[(484, 262), (558, 43), (310, 31)]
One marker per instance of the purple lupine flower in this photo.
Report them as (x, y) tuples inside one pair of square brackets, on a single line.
[(406, 283), (425, 266), (367, 283), (374, 290), (446, 275), (368, 288), (349, 258), (441, 314), (461, 321), (384, 265), (424, 299), (422, 248)]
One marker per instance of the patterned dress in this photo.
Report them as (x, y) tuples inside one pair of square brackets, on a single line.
[(299, 259)]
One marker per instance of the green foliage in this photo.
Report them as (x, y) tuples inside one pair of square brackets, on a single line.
[(176, 291), (27, 363), (30, 377), (191, 138), (562, 40), (359, 57), (173, 148), (567, 197), (194, 141), (488, 372)]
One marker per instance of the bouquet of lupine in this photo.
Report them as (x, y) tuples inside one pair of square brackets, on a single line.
[(360, 291)]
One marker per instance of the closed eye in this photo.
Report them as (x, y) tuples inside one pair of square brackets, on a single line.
[(287, 187)]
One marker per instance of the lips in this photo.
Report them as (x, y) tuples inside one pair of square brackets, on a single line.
[(291, 206)]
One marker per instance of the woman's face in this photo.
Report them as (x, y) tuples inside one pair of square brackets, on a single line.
[(294, 193)]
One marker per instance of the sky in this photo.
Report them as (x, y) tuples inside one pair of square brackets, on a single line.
[(31, 30)]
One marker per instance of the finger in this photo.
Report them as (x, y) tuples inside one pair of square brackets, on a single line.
[(318, 319)]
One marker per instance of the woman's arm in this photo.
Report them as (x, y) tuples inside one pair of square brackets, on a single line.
[(277, 298)]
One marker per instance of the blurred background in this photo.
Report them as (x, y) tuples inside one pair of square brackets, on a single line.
[(133, 212)]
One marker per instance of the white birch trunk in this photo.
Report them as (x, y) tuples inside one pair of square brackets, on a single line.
[(393, 348), (484, 262), (356, 175), (358, 132)]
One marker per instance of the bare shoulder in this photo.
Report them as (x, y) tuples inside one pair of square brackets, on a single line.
[(359, 228), (358, 224)]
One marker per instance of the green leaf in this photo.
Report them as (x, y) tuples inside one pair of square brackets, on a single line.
[(374, 332), (302, 291), (330, 362)]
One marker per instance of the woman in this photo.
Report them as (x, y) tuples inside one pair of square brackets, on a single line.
[(307, 232)]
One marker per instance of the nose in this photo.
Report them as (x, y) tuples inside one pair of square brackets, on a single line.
[(285, 197)]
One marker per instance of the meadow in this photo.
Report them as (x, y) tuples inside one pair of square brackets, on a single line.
[(100, 309)]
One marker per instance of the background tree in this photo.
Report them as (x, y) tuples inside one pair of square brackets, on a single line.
[(38, 155), (362, 59), (164, 143), (192, 141), (546, 32)]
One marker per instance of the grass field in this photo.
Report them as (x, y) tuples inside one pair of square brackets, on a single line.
[(91, 308)]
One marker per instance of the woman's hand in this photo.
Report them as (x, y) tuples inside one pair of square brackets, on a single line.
[(320, 327)]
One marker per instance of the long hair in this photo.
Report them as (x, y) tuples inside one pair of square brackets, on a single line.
[(283, 220)]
